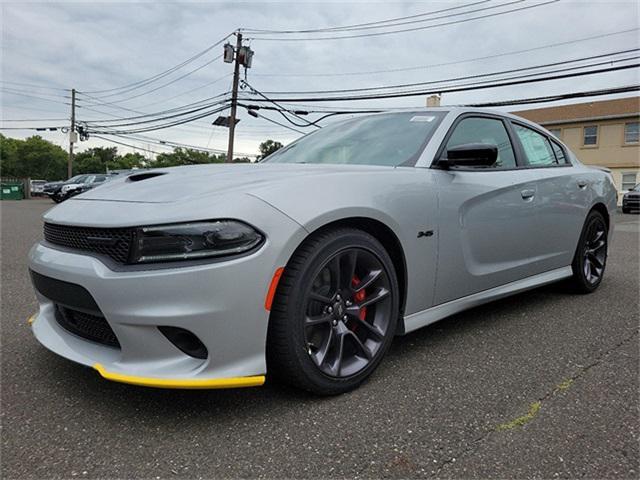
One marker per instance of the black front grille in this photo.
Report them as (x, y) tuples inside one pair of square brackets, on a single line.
[(112, 242), (90, 327)]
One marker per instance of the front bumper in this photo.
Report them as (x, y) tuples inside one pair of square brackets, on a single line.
[(631, 202), (222, 303)]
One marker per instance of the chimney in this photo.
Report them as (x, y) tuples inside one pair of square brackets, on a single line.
[(433, 101)]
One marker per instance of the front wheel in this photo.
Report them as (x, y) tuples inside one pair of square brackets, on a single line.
[(590, 259), (335, 312)]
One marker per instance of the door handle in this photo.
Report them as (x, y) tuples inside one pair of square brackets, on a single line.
[(528, 194), (582, 184)]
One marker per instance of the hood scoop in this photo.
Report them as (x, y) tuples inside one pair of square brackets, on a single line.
[(138, 177)]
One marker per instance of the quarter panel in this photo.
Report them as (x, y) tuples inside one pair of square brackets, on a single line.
[(403, 198)]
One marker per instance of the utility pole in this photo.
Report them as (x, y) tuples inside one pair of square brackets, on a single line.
[(234, 97), (72, 133)]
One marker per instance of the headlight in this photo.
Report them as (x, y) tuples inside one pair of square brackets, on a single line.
[(191, 241)]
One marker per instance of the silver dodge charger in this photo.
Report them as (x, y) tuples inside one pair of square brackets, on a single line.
[(306, 265)]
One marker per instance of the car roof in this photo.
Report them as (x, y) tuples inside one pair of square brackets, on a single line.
[(456, 110)]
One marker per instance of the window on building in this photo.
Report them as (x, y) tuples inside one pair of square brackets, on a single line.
[(556, 132), (536, 147), (590, 135), (628, 181), (632, 132)]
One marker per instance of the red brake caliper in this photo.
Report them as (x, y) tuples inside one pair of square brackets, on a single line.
[(359, 297)]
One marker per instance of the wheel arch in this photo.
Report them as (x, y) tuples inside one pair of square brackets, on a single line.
[(389, 240), (602, 209)]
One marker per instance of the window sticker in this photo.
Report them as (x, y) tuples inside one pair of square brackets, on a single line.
[(422, 118)]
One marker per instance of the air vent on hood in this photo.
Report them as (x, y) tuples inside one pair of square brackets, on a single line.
[(138, 177)]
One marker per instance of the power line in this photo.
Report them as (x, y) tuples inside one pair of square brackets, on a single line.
[(281, 109), (156, 88), (563, 96), (45, 87), (163, 74), (258, 115), (195, 125), (96, 129), (451, 89), (11, 92), (33, 119), (457, 62), (380, 23), (467, 77), (183, 109), (128, 145), (171, 144), (208, 84), (495, 14)]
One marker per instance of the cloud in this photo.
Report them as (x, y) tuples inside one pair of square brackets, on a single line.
[(94, 46)]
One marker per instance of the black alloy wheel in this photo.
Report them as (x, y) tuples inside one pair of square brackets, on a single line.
[(334, 314), (595, 252), (347, 314), (590, 259)]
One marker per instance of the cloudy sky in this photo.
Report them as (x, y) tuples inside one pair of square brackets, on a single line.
[(94, 46)]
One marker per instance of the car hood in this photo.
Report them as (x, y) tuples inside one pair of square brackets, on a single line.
[(194, 181)]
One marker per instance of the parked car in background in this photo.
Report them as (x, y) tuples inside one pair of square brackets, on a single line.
[(37, 187), (60, 191), (306, 265), (631, 200)]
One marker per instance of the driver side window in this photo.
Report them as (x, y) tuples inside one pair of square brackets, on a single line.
[(485, 130)]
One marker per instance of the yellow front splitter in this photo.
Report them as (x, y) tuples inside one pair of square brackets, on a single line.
[(233, 382)]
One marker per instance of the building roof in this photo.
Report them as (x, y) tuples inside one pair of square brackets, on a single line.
[(605, 109)]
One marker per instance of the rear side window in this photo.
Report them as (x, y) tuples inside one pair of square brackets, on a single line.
[(485, 130), (561, 158), (536, 147)]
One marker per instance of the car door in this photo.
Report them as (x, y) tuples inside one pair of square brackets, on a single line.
[(487, 216), (561, 196)]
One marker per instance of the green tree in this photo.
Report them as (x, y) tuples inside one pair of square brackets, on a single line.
[(186, 156), (268, 147), (8, 156), (33, 157), (128, 161), (95, 160)]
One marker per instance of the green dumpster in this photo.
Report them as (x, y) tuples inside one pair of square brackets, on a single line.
[(11, 191)]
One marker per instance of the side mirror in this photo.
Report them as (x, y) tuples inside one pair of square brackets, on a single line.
[(470, 155)]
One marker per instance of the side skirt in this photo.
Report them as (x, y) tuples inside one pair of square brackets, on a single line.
[(433, 314)]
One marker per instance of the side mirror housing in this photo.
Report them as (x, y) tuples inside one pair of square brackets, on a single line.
[(470, 155)]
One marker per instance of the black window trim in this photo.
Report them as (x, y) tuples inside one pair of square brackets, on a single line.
[(550, 139), (460, 118), (518, 149)]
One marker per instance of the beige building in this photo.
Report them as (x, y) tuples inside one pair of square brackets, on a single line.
[(604, 133)]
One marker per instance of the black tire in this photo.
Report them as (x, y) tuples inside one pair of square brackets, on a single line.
[(328, 353), (57, 199), (590, 258), (626, 210)]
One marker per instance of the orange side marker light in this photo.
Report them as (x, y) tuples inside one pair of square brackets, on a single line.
[(272, 288)]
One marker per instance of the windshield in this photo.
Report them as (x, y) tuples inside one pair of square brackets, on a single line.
[(389, 139), (636, 188), (77, 179)]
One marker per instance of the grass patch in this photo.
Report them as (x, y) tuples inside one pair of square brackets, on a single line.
[(534, 408), (566, 384)]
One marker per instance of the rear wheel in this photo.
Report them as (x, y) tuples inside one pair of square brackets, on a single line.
[(626, 210), (590, 259), (335, 312)]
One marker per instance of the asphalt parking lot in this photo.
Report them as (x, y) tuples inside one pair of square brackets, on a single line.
[(543, 384)]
